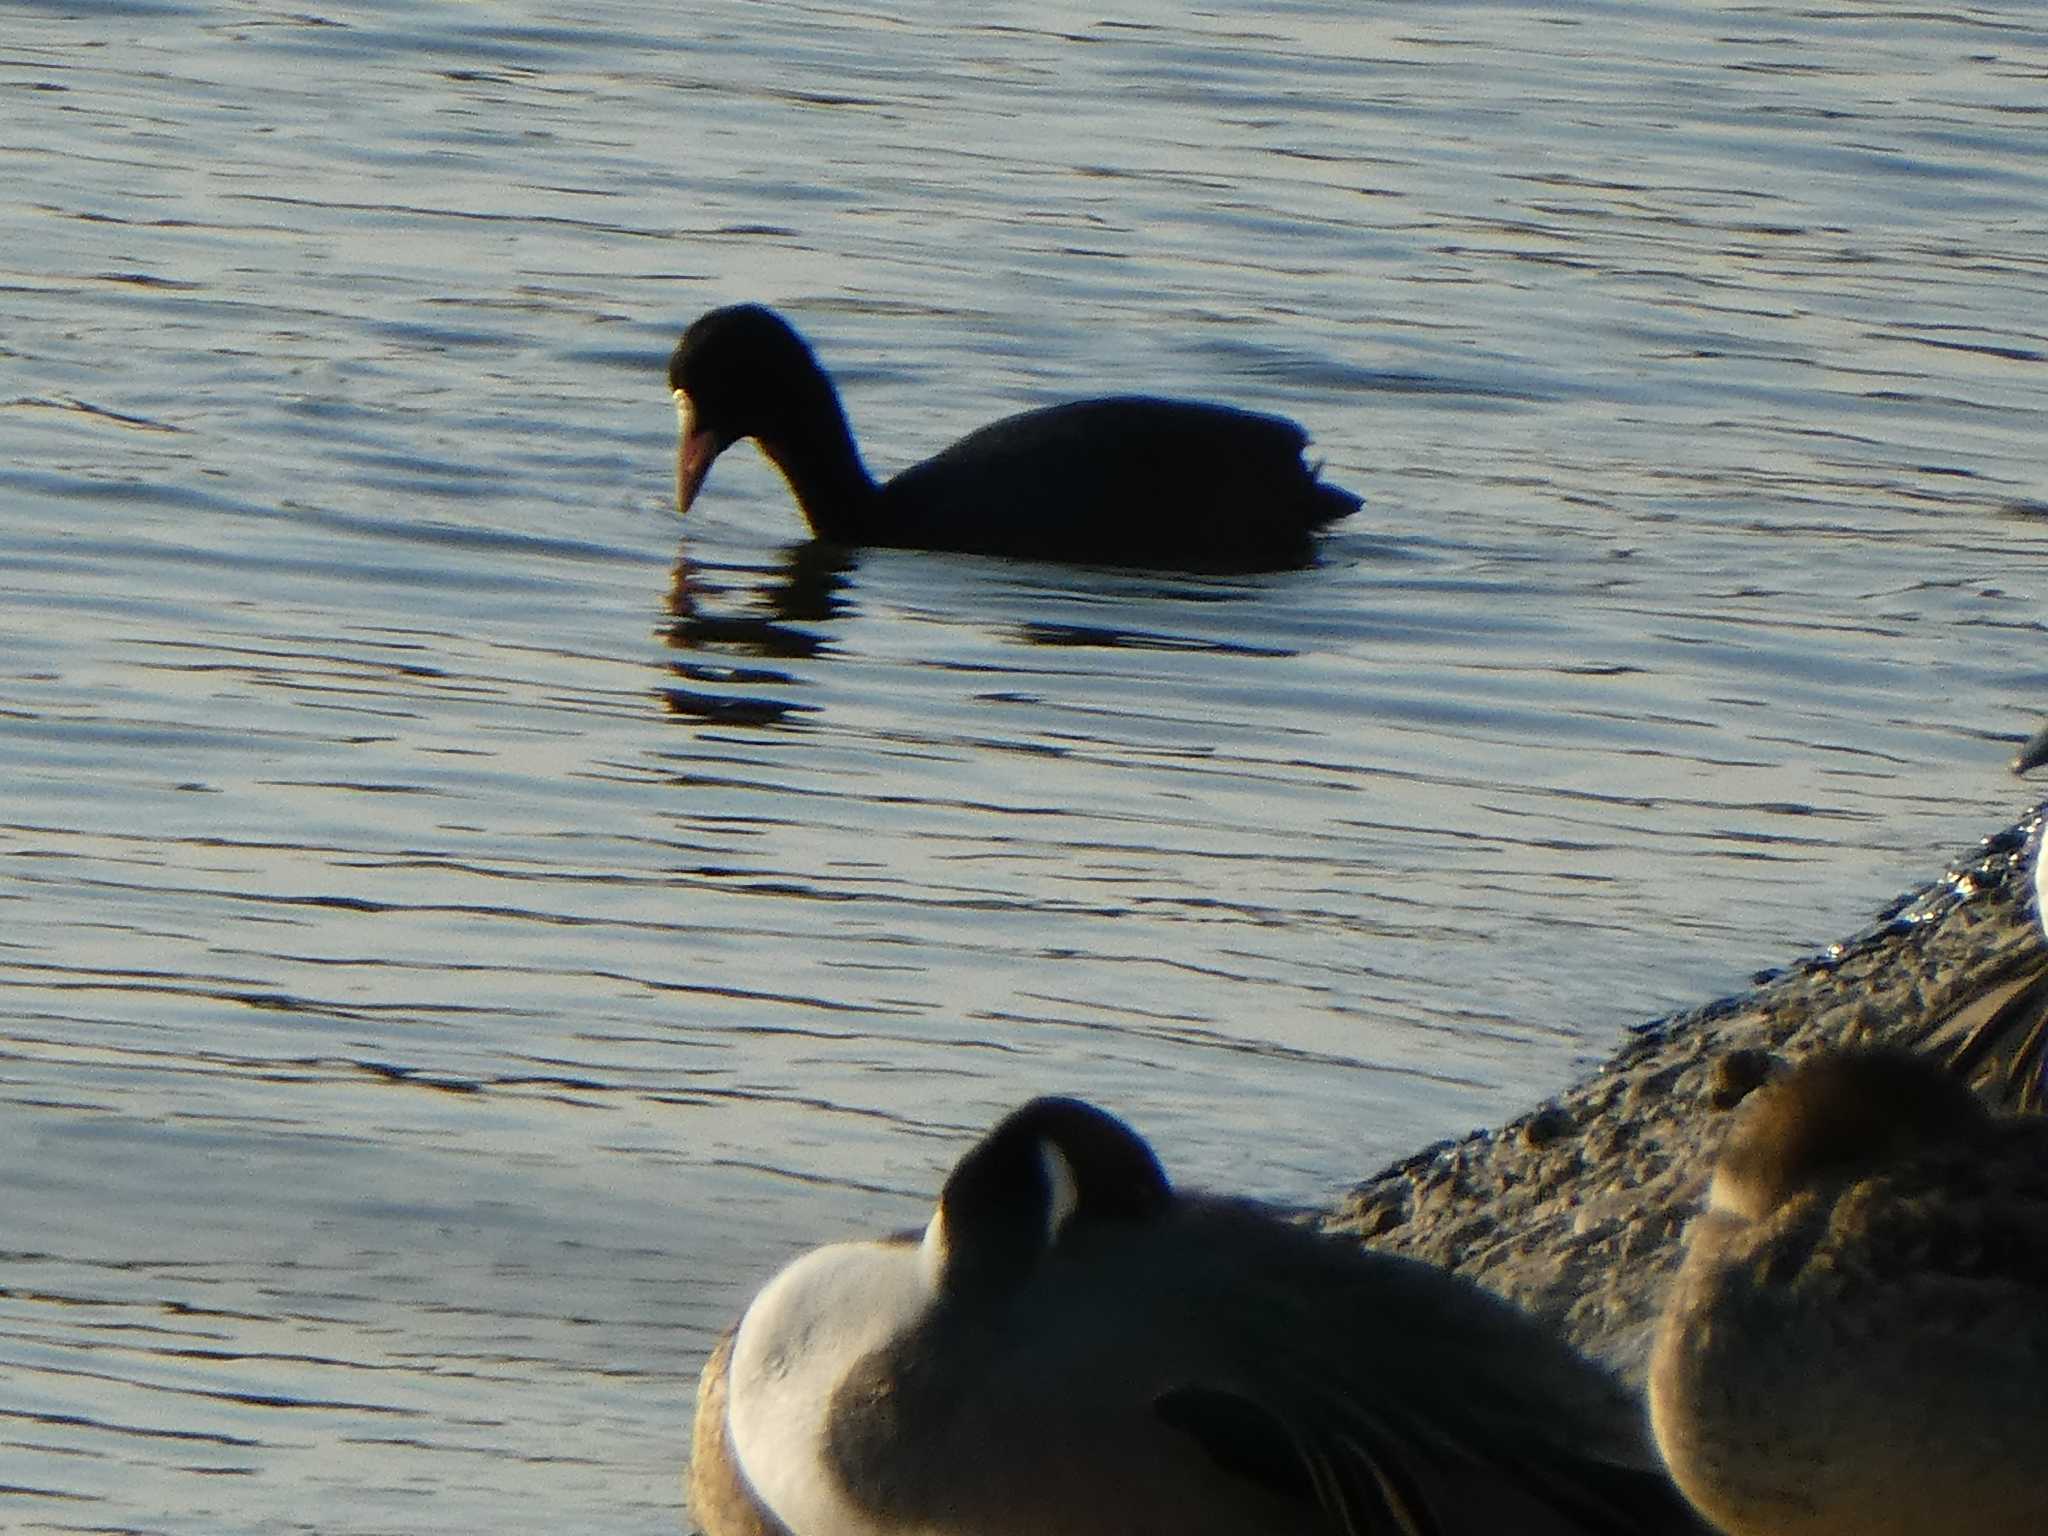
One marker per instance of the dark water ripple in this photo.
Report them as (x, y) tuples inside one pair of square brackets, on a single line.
[(462, 927)]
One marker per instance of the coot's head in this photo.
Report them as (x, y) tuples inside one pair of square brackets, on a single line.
[(741, 372)]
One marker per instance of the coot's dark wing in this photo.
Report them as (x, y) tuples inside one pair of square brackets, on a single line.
[(1123, 480)]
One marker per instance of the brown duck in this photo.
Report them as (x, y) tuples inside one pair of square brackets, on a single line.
[(1857, 1341)]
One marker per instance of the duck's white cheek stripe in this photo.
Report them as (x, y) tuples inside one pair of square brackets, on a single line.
[(933, 1252), (1062, 1193), (804, 1331)]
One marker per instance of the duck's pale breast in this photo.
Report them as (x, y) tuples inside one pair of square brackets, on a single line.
[(721, 1502), (1870, 1365)]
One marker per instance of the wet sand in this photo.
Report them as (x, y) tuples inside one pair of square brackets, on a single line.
[(1576, 1209)]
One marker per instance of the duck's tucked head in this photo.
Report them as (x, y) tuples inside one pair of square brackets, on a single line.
[(1052, 1164), (742, 371), (1048, 1168), (1835, 1118)]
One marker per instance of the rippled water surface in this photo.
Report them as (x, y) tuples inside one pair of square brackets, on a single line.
[(462, 925)]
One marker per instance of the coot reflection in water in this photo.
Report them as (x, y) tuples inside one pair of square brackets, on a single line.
[(1126, 480), (807, 589)]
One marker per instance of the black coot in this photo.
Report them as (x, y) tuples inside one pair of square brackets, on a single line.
[(1127, 480)]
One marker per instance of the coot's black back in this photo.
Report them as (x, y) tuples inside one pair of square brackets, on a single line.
[(1126, 480)]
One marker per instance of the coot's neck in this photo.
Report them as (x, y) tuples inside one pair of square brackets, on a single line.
[(813, 447)]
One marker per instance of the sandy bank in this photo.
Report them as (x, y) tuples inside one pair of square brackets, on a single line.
[(1576, 1209)]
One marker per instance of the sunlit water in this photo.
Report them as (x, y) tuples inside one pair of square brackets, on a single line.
[(462, 926)]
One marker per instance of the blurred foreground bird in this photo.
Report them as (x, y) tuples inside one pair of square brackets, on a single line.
[(1857, 1341), (1073, 1348)]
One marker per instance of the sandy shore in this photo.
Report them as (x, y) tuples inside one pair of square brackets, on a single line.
[(1576, 1209)]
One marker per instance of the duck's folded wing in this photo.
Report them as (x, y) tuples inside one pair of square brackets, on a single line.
[(1395, 1473), (1997, 1040)]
